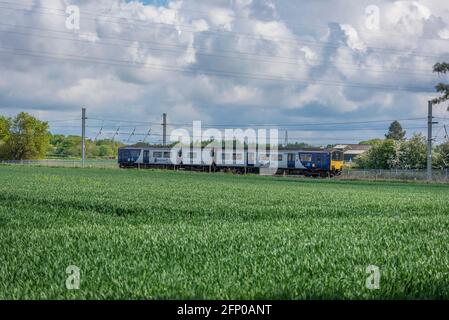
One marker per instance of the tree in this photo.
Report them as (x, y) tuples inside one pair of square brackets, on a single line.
[(412, 154), (443, 88), (4, 128), (27, 138), (395, 131), (70, 146), (370, 142), (4, 133), (382, 155), (442, 156)]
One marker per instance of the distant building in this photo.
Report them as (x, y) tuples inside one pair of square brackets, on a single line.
[(352, 151)]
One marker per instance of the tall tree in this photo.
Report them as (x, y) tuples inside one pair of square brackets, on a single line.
[(443, 88), (382, 155), (412, 153), (4, 132), (442, 155), (28, 138), (395, 131), (4, 128)]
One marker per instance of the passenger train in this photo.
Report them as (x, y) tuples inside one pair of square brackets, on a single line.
[(315, 163)]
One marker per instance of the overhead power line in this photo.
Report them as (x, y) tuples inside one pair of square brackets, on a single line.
[(396, 71), (305, 130), (245, 54), (232, 125), (391, 33), (211, 72), (220, 32)]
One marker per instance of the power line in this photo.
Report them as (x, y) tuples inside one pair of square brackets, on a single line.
[(63, 120), (99, 133), (221, 73), (246, 53), (228, 33), (265, 124), (306, 130), (324, 27), (314, 124), (132, 134), (214, 55), (290, 126), (236, 17)]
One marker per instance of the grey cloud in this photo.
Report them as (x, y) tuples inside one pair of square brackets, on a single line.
[(116, 91)]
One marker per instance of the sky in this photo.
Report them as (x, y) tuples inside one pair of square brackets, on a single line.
[(328, 72)]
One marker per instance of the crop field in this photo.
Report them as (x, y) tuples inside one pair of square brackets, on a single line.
[(180, 235)]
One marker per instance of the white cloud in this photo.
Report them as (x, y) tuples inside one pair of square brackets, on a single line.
[(246, 42), (353, 39)]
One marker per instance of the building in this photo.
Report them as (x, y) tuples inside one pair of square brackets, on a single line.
[(352, 151)]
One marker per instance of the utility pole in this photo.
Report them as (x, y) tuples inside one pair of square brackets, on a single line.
[(429, 141), (83, 151), (164, 129)]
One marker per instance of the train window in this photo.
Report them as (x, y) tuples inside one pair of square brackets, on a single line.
[(130, 155), (157, 154), (280, 157), (180, 153), (264, 157), (276, 157), (167, 155), (237, 156), (306, 157), (337, 156)]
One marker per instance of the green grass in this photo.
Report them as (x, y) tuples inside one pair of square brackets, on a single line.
[(156, 235)]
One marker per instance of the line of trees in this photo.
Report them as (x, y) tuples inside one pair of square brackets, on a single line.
[(24, 137), (395, 152), (70, 147)]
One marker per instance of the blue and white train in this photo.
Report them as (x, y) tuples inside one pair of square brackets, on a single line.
[(318, 162)]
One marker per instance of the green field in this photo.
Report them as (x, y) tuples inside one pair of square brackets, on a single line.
[(156, 235)]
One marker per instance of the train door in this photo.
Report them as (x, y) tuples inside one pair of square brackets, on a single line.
[(250, 159), (146, 156), (291, 160), (319, 161)]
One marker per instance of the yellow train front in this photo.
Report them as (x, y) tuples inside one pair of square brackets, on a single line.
[(323, 163)]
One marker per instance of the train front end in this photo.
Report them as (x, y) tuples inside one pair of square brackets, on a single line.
[(129, 157)]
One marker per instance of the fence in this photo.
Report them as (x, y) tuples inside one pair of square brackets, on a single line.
[(105, 164), (353, 174), (394, 174)]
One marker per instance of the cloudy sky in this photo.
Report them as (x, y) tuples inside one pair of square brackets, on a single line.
[(301, 65)]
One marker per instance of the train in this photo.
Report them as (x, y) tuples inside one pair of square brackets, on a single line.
[(311, 163)]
